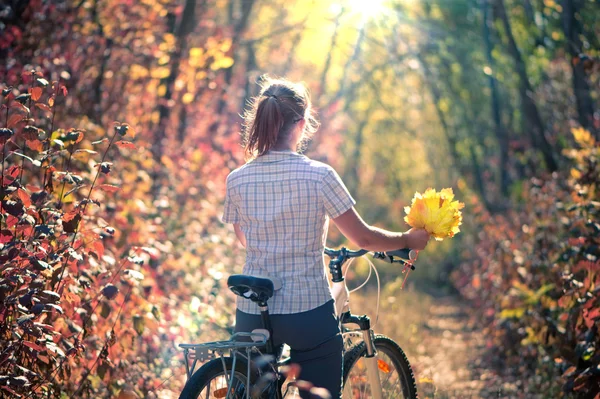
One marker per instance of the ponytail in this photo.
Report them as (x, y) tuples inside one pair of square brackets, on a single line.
[(273, 116), (265, 128)]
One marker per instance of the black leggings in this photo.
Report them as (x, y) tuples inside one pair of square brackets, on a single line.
[(315, 341)]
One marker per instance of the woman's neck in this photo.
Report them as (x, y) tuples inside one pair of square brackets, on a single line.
[(284, 147)]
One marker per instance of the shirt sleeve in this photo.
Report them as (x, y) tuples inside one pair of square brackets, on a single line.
[(230, 209), (336, 197)]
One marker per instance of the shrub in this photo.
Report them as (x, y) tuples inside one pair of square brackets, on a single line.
[(61, 270), (535, 273)]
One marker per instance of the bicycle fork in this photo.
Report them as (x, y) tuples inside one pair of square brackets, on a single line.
[(371, 356), (371, 364), (340, 294)]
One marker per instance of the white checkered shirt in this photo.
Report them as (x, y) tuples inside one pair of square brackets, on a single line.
[(282, 201)]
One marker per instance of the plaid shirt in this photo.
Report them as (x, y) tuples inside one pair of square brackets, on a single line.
[(282, 201)]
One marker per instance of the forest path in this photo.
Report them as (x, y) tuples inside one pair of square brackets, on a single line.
[(441, 339)]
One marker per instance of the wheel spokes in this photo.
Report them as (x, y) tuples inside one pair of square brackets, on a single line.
[(357, 385)]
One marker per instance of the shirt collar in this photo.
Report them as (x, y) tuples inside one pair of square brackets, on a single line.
[(275, 156)]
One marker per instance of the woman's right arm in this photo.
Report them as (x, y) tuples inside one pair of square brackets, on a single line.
[(375, 239)]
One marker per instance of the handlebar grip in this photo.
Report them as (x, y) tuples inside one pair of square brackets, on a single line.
[(404, 253), (397, 256)]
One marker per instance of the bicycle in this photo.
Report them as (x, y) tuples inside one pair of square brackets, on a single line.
[(253, 369)]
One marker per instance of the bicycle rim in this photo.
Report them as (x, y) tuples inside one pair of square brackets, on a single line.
[(217, 387), (395, 373), (211, 382)]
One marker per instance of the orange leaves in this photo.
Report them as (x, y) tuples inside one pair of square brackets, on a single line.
[(24, 197), (36, 93), (34, 145), (96, 248), (383, 366)]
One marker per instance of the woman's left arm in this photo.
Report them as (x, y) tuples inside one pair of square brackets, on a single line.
[(240, 234)]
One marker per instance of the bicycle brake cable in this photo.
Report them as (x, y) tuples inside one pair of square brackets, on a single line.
[(371, 268)]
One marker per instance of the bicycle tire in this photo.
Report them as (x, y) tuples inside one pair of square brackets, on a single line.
[(386, 348), (213, 371)]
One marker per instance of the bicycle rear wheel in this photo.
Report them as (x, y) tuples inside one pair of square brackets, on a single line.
[(395, 373), (210, 381)]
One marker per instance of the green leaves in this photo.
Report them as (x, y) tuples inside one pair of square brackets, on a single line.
[(139, 324)]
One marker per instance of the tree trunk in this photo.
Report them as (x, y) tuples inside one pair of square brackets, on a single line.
[(239, 27), (450, 133), (501, 133), (573, 28), (251, 67), (323, 81), (164, 110), (534, 120)]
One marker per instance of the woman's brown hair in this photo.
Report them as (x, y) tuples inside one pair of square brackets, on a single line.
[(273, 116)]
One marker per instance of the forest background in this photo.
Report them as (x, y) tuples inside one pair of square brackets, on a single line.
[(112, 250)]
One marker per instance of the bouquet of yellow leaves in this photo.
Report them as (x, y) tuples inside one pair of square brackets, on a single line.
[(436, 212)]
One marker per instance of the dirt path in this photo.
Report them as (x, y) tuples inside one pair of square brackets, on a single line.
[(442, 342)]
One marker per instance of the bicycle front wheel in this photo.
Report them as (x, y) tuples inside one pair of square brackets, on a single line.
[(210, 381), (396, 375)]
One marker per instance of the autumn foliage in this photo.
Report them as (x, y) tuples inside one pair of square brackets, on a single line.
[(535, 274), (111, 248)]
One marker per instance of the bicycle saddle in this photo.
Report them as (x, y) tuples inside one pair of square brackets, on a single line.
[(257, 289)]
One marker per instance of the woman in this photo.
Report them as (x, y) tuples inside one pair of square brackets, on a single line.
[(280, 203)]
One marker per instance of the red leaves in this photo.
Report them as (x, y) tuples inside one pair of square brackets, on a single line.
[(110, 188), (70, 222), (125, 144), (543, 259), (43, 107), (590, 316), (14, 119), (6, 236), (33, 346)]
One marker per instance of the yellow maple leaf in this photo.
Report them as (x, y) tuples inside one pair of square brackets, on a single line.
[(583, 137), (436, 212)]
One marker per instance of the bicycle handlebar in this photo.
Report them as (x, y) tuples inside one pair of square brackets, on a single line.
[(339, 256), (347, 253), (406, 254)]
